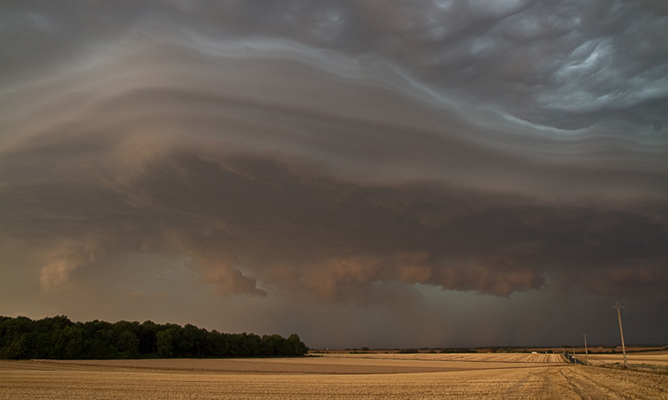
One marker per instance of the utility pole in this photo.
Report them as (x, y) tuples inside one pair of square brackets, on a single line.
[(621, 332), (586, 352)]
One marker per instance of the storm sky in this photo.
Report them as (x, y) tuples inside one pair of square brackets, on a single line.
[(362, 173)]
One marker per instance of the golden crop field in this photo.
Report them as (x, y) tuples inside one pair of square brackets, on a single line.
[(328, 377)]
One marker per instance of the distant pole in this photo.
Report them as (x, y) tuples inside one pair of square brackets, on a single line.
[(586, 353), (621, 332)]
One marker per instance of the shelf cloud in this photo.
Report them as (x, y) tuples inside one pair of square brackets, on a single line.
[(332, 155)]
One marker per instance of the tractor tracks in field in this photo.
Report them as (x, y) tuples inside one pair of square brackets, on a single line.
[(588, 388), (584, 382), (596, 383)]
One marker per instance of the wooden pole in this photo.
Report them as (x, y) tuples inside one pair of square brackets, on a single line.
[(621, 332), (586, 352)]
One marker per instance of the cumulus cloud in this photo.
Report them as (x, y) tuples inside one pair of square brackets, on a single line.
[(330, 150)]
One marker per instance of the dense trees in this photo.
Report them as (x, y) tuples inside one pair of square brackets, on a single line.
[(60, 338)]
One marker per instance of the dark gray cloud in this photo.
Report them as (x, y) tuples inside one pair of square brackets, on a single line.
[(346, 154), (561, 64)]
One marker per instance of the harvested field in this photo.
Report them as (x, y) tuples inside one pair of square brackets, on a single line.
[(642, 361), (656, 359), (208, 379), (471, 357), (336, 364)]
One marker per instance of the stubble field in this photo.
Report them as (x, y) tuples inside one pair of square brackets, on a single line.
[(650, 361), (654, 358), (426, 376)]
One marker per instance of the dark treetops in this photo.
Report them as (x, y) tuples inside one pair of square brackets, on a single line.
[(60, 338)]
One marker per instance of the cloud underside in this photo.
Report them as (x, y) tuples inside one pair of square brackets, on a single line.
[(274, 223), (325, 149)]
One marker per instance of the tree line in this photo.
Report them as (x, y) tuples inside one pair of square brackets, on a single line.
[(59, 338)]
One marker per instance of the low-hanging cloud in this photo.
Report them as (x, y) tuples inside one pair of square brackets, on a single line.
[(281, 223)]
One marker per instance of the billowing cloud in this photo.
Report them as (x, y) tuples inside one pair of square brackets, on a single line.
[(337, 152)]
